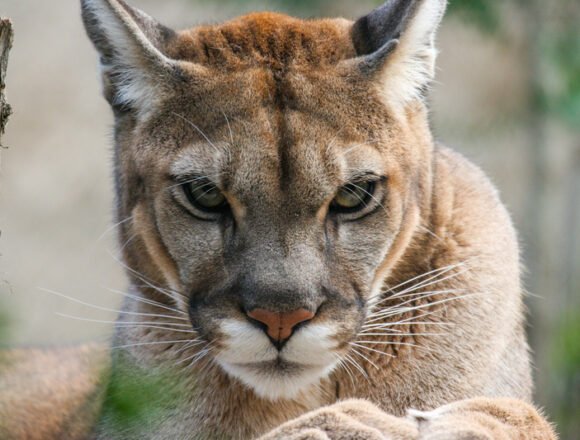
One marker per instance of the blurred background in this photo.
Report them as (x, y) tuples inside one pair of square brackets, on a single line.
[(507, 96)]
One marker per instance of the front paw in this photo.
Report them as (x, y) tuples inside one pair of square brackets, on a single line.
[(351, 419), (482, 419)]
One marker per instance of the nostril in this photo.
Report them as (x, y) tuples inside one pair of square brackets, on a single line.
[(280, 324)]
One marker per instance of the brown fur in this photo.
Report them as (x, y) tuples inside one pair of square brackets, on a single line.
[(50, 393), (280, 112)]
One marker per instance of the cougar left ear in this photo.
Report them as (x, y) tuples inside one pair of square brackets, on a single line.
[(396, 41), (134, 66)]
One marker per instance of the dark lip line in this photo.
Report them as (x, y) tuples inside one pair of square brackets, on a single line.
[(277, 360)]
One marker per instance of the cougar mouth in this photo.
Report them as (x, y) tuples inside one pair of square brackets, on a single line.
[(249, 356)]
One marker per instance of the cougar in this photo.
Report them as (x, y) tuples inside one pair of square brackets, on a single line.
[(305, 260)]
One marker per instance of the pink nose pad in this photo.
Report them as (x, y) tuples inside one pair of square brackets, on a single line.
[(280, 324)]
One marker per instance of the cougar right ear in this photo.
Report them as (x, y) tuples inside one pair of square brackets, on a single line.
[(135, 69), (396, 43)]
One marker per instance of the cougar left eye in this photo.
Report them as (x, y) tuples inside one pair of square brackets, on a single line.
[(353, 197), (205, 196)]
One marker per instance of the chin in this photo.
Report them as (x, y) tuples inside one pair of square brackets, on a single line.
[(279, 379), (307, 358)]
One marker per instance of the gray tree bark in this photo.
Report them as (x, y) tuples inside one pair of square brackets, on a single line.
[(6, 38)]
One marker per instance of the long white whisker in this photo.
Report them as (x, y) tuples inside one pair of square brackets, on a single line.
[(139, 344), (355, 364), (401, 334), (153, 325), (397, 311), (387, 311), (197, 356), (342, 363), (394, 324), (364, 347), (192, 343), (116, 225), (415, 297), (411, 318), (354, 350), (430, 282), (143, 278), (145, 300), (106, 309), (408, 344), (433, 273)]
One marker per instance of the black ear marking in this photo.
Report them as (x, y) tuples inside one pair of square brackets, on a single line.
[(372, 62), (386, 23)]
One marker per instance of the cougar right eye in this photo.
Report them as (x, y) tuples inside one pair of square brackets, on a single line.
[(205, 196), (353, 197)]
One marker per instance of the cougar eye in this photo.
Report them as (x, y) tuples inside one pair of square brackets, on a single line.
[(205, 196), (353, 197)]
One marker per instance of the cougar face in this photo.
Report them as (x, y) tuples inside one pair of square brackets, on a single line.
[(269, 175)]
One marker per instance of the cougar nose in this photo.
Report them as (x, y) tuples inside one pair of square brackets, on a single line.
[(280, 324)]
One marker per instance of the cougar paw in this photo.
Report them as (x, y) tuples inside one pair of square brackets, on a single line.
[(352, 419), (482, 419)]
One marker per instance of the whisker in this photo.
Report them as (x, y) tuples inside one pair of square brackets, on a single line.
[(425, 283), (195, 357), (168, 292), (430, 282), (401, 334), (145, 301), (330, 145), (355, 364), (229, 127), (354, 350), (364, 347), (153, 325), (106, 309), (116, 225), (198, 130), (128, 241), (408, 344), (139, 344), (387, 311), (195, 179), (398, 311), (415, 297), (418, 295), (342, 364), (408, 321), (431, 233), (443, 270)]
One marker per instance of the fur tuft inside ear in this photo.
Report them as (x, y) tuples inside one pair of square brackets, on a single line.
[(130, 43), (409, 67)]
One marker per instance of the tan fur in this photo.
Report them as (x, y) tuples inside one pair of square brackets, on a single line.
[(51, 393), (279, 113)]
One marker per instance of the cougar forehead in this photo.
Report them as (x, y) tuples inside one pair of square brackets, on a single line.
[(265, 39)]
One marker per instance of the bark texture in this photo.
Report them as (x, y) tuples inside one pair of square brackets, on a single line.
[(6, 38)]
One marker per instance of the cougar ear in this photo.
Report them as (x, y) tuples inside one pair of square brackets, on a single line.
[(397, 42), (135, 69)]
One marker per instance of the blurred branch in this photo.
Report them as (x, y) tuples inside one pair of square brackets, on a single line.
[(6, 38)]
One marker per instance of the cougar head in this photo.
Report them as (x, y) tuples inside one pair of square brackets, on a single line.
[(271, 171)]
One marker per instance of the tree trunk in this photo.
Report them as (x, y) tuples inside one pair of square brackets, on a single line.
[(6, 37)]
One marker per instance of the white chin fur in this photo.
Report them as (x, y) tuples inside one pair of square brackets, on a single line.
[(308, 354), (277, 386)]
